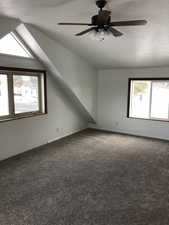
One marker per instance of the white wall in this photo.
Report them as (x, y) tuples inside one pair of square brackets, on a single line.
[(20, 62), (77, 74), (112, 103), (62, 119)]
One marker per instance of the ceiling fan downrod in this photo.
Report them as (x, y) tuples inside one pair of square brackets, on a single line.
[(101, 3)]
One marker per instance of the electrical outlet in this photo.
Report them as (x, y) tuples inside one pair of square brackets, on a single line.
[(57, 129), (116, 124)]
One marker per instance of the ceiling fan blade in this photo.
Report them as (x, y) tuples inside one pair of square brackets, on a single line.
[(129, 23), (115, 32), (85, 31), (81, 24)]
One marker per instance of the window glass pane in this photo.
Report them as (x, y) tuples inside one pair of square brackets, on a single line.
[(12, 46), (140, 99), (160, 99), (4, 106), (26, 95)]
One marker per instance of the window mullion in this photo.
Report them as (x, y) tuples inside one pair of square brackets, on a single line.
[(131, 102), (40, 93), (150, 101), (11, 94), (168, 111)]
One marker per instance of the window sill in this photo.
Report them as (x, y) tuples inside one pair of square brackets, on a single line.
[(21, 116), (152, 119)]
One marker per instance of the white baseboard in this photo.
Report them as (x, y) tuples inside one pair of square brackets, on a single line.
[(125, 132), (66, 135), (44, 143)]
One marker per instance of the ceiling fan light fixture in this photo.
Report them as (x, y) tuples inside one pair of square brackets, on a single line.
[(102, 35), (99, 35)]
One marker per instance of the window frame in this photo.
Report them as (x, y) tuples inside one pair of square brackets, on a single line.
[(23, 45), (129, 97), (42, 92)]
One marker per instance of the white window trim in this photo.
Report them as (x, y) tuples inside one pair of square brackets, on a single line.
[(23, 45)]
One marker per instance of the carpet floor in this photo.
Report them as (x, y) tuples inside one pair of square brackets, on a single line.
[(90, 178)]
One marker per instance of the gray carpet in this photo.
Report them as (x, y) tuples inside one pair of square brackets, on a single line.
[(91, 178)]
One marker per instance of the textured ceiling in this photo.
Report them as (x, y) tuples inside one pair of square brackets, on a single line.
[(142, 46)]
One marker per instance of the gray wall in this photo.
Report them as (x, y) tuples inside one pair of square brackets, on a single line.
[(62, 119), (112, 103)]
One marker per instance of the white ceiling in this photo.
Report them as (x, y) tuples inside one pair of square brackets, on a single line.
[(142, 46)]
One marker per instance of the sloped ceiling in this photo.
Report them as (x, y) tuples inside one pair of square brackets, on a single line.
[(52, 55), (7, 25), (140, 46)]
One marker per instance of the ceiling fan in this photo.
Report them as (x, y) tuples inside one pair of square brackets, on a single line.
[(102, 25)]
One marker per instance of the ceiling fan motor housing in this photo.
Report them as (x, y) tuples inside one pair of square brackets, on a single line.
[(96, 21), (101, 3), (102, 19)]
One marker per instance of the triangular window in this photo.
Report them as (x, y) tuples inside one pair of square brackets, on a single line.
[(11, 45)]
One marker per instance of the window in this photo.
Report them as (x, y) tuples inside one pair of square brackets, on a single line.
[(22, 93), (11, 45), (26, 94), (4, 106), (149, 98)]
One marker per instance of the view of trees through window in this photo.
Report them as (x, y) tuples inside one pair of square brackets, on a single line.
[(149, 99)]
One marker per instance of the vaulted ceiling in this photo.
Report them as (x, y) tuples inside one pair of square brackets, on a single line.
[(139, 47)]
